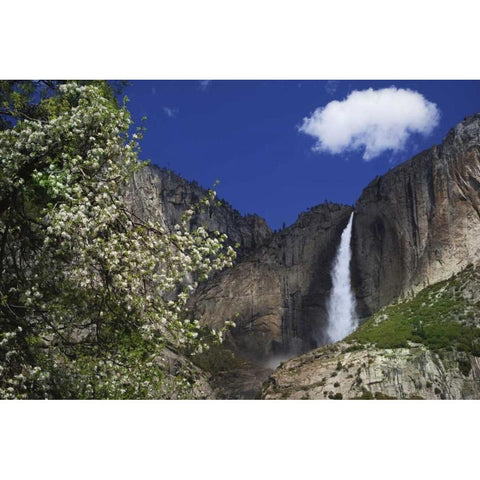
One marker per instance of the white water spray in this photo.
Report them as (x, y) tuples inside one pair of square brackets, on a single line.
[(342, 318)]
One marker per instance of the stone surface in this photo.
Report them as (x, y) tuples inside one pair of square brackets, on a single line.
[(243, 383), (420, 222), (160, 194), (402, 373), (276, 295)]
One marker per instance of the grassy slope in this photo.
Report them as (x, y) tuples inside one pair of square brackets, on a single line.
[(445, 315)]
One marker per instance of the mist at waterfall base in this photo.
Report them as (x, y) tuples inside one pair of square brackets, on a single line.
[(342, 319)]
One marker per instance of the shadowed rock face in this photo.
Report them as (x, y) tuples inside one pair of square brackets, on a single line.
[(159, 194), (277, 294), (419, 223)]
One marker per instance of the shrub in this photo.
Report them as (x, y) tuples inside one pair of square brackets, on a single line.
[(383, 396), (366, 395), (336, 396), (465, 366)]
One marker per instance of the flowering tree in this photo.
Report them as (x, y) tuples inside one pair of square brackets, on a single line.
[(90, 295)]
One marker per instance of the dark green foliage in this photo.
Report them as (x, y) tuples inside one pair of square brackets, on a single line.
[(217, 359), (465, 366), (383, 396), (336, 384), (354, 347), (336, 396), (366, 395)]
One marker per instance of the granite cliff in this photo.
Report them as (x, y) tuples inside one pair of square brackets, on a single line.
[(160, 194), (416, 274), (419, 223)]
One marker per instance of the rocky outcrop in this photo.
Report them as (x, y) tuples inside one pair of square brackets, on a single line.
[(277, 294), (160, 194), (406, 373), (420, 222)]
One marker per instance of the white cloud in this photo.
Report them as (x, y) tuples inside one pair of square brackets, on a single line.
[(373, 120), (170, 112), (204, 84)]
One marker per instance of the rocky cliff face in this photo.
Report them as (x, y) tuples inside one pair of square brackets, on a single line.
[(158, 193), (277, 294), (420, 222)]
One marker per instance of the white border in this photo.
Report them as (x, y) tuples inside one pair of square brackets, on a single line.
[(239, 440), (248, 39)]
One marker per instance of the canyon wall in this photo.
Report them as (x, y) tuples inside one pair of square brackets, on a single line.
[(420, 222), (160, 194)]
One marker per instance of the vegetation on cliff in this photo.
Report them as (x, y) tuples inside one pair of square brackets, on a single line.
[(445, 315)]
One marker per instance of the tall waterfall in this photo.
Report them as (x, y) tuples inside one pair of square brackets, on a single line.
[(342, 318)]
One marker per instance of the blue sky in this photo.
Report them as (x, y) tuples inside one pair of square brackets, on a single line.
[(246, 134)]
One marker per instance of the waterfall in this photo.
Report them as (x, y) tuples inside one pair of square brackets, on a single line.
[(342, 319)]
